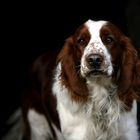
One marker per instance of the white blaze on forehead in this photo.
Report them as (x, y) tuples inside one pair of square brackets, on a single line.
[(94, 28)]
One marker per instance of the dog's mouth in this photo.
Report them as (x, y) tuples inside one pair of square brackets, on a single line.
[(93, 72), (96, 72)]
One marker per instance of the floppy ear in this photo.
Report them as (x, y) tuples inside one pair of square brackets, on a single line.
[(127, 72), (69, 57), (137, 78)]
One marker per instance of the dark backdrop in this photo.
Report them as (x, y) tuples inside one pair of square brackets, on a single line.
[(30, 29)]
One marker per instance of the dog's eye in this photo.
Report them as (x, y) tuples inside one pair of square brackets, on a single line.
[(81, 41), (108, 40)]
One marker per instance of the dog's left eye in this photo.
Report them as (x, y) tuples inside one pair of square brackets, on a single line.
[(81, 41), (108, 40)]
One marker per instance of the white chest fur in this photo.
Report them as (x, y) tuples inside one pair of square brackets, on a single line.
[(101, 118)]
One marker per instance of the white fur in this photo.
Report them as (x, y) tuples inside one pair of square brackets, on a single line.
[(39, 126), (128, 123), (95, 46), (101, 118)]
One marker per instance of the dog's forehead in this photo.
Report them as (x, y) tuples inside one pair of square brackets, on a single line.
[(94, 27)]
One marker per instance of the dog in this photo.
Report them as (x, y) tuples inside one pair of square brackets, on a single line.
[(87, 91)]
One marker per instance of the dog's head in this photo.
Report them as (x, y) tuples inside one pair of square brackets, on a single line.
[(98, 49)]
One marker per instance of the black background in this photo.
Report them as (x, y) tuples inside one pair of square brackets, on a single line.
[(32, 28)]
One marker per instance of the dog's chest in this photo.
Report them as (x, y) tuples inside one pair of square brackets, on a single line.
[(101, 118), (84, 126), (95, 120), (89, 125)]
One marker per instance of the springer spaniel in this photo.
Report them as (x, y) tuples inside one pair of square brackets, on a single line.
[(88, 91)]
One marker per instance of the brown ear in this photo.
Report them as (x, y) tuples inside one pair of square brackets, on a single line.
[(69, 57), (137, 78), (127, 72)]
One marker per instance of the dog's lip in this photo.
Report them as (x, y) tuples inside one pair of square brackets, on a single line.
[(96, 72)]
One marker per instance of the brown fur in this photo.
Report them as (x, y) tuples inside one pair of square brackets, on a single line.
[(70, 76), (129, 72), (70, 57), (38, 94), (125, 61)]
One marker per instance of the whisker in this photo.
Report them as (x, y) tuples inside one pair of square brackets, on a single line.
[(77, 66)]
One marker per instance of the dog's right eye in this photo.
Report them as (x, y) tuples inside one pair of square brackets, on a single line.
[(81, 41)]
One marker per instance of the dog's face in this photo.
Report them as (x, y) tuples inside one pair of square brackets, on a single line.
[(101, 49)]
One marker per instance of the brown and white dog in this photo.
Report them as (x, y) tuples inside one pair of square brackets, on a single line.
[(88, 91)]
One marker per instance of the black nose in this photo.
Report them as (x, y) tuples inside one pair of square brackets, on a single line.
[(94, 60)]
